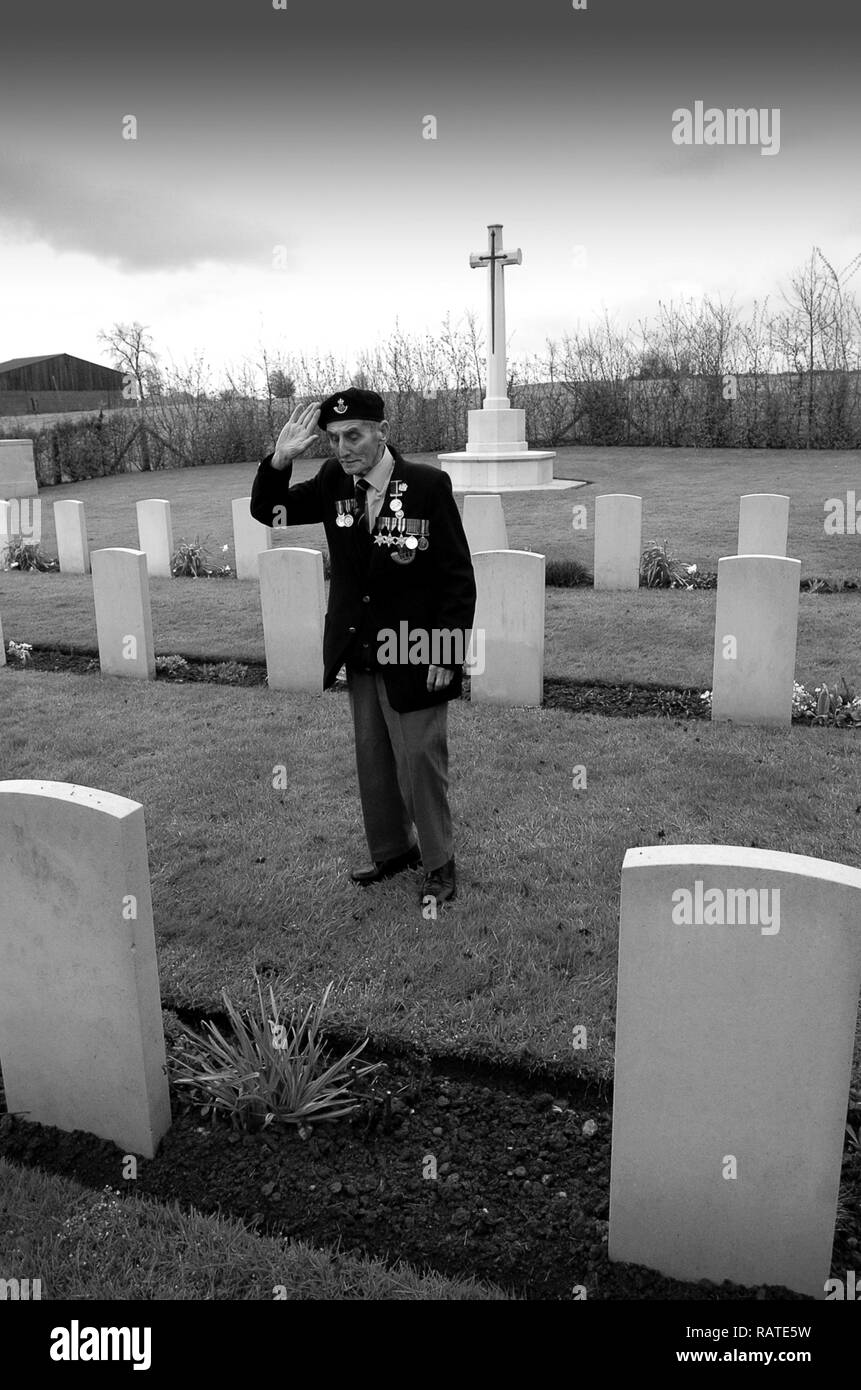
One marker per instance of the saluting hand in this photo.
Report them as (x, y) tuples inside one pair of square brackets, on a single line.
[(297, 435)]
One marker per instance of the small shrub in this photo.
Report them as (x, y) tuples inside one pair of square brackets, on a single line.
[(832, 707), (820, 706), (190, 560), (803, 703), (658, 570), (701, 579), (171, 665), (224, 672), (267, 1070), (24, 555), (567, 574), (20, 650), (829, 586)]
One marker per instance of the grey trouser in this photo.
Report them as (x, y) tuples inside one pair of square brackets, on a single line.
[(402, 762)]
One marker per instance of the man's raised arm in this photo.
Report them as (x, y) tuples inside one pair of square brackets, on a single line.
[(273, 501)]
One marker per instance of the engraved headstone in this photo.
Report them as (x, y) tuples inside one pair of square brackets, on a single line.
[(756, 629), (763, 524), (250, 537), (738, 984), (81, 1040), (484, 522), (123, 613), (155, 535), (292, 598), (509, 622), (73, 550), (618, 530)]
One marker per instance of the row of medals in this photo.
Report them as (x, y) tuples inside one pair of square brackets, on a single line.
[(406, 533)]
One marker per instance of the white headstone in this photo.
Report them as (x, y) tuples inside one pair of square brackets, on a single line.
[(618, 548), (81, 1041), (484, 522), (739, 974), (292, 597), (7, 530), (155, 535), (250, 537), (73, 550), (17, 468), (123, 614), (763, 524), (508, 631), (2, 646), (756, 627)]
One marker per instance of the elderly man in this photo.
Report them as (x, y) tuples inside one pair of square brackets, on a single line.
[(400, 566)]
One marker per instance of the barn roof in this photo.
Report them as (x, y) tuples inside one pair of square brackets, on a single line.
[(15, 362)]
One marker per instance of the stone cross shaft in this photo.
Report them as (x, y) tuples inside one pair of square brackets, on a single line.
[(494, 260)]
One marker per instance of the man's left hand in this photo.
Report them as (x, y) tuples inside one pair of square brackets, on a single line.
[(438, 678)]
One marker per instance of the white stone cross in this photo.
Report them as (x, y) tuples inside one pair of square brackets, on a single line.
[(494, 260)]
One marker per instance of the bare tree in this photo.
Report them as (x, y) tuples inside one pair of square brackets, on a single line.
[(133, 353)]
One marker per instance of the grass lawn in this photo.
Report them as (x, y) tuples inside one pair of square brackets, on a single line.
[(653, 635), (690, 496), (663, 636), (97, 1245), (244, 873)]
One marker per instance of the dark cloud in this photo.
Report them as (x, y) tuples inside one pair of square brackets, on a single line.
[(137, 226), (329, 33)]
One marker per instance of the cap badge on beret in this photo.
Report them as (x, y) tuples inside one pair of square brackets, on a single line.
[(351, 404)]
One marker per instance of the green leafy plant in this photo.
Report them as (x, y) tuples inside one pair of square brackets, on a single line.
[(829, 586), (21, 650), (834, 707), (803, 702), (24, 555), (190, 560), (171, 665), (224, 672), (820, 706), (268, 1071), (658, 570), (567, 574)]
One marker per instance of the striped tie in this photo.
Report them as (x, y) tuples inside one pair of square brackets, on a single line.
[(362, 487)]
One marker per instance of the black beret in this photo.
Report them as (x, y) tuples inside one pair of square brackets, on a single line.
[(351, 404)]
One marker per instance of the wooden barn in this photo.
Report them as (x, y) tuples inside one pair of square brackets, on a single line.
[(57, 382)]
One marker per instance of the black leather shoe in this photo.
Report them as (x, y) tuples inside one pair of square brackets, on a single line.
[(440, 883), (387, 868)]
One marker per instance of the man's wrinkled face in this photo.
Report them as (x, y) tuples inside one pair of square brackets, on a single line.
[(358, 444)]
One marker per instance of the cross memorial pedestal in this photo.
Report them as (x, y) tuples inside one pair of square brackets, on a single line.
[(497, 457), (494, 259)]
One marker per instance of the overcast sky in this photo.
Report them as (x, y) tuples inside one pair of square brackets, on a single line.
[(302, 128)]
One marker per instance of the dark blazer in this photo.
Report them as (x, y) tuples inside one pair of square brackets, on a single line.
[(369, 591)]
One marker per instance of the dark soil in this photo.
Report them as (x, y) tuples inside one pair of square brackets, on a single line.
[(578, 697), (520, 1197)]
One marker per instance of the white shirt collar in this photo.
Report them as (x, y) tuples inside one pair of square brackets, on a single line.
[(379, 476)]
